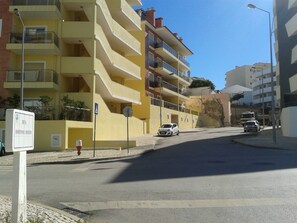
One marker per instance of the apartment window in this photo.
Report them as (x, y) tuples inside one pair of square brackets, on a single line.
[(151, 80), (151, 59), (151, 39)]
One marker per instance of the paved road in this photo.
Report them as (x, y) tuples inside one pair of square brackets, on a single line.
[(204, 178)]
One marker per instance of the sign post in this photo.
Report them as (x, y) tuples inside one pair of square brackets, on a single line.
[(19, 138), (127, 111), (95, 122)]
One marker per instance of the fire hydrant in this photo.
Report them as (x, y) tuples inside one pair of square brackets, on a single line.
[(78, 146)]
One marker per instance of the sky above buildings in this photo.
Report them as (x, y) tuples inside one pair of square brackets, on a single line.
[(222, 34)]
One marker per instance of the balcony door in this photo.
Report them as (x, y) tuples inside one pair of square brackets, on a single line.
[(34, 71)]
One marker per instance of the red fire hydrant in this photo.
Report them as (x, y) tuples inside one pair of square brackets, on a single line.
[(78, 146)]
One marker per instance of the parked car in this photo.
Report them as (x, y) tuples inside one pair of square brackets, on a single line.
[(252, 125), (2, 149), (168, 129)]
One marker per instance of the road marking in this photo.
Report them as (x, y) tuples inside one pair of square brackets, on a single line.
[(5, 169), (177, 204)]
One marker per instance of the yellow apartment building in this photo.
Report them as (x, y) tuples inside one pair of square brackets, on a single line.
[(81, 53)]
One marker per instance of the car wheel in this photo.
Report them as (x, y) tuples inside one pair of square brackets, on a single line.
[(2, 152), (177, 133)]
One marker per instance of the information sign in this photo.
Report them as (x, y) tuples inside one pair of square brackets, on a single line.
[(19, 130)]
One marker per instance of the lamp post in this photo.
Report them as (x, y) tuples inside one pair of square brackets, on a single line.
[(160, 86), (251, 6), (17, 13)]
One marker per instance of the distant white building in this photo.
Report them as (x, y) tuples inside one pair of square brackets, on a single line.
[(262, 94), (247, 94), (241, 75)]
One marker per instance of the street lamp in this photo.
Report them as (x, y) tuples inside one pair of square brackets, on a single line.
[(251, 6), (17, 13), (160, 86)]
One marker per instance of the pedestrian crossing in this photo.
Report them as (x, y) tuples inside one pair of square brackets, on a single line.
[(5, 170)]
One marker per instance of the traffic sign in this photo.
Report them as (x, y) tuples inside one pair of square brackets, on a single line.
[(127, 111), (96, 108)]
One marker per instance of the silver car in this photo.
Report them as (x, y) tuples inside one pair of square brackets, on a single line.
[(252, 125), (168, 129)]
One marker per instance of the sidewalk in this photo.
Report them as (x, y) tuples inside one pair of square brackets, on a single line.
[(264, 139)]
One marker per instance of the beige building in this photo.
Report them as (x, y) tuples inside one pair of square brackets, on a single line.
[(241, 75)]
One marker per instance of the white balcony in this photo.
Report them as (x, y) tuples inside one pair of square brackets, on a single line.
[(114, 63), (293, 83), (124, 14), (292, 4), (294, 55), (291, 26), (120, 39), (112, 91)]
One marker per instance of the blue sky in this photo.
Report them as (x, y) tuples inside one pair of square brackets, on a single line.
[(222, 34)]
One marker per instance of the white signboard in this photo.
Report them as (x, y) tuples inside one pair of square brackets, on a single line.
[(56, 140), (19, 130)]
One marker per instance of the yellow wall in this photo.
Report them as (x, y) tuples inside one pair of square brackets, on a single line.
[(185, 120)]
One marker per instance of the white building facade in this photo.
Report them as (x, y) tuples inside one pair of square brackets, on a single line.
[(261, 85), (241, 75), (285, 33)]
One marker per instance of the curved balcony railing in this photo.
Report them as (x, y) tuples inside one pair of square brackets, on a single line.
[(172, 51), (37, 2), (183, 60), (166, 66), (32, 76), (169, 86), (167, 47), (40, 38)]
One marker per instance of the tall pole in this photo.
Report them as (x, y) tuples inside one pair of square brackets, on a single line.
[(263, 118), (17, 13), (271, 69), (272, 83), (161, 85)]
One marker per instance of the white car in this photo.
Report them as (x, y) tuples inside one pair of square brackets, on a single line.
[(168, 129), (252, 125)]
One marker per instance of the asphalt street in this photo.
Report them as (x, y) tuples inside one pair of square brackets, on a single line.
[(195, 177)]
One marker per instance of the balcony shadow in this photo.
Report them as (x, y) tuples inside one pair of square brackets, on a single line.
[(209, 157)]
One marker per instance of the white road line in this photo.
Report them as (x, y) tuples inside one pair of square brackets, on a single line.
[(177, 204), (5, 169)]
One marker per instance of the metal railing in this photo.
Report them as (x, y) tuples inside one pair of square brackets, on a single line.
[(170, 105), (38, 38), (183, 60), (76, 114), (167, 67), (32, 76), (156, 101), (169, 86), (167, 47), (37, 2)]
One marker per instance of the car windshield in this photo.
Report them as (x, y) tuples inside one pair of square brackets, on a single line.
[(166, 126)]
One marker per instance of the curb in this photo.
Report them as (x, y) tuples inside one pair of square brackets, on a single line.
[(274, 147)]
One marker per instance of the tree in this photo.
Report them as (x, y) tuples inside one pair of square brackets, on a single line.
[(202, 83)]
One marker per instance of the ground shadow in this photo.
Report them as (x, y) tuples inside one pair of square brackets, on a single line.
[(208, 157)]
